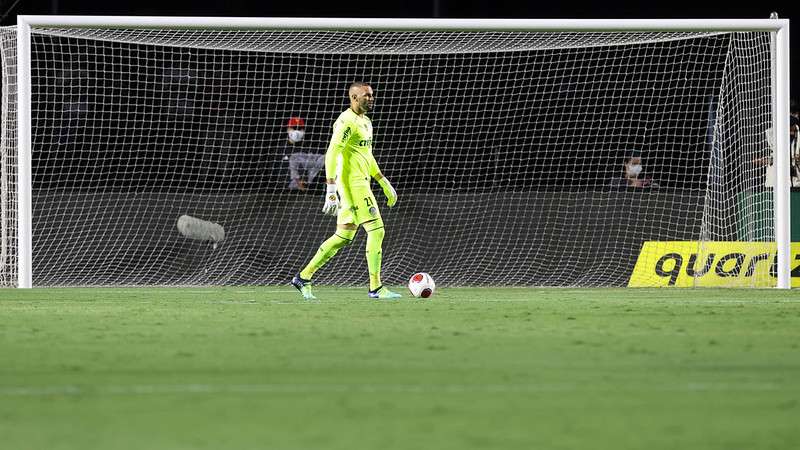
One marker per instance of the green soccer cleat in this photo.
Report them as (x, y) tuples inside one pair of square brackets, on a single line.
[(383, 293), (304, 286)]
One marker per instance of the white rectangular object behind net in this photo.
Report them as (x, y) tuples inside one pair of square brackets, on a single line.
[(508, 147)]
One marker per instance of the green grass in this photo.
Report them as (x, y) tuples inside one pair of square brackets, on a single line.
[(257, 368)]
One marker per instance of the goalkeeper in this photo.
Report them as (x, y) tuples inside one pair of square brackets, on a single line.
[(349, 165)]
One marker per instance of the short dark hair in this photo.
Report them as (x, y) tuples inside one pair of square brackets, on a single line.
[(356, 84)]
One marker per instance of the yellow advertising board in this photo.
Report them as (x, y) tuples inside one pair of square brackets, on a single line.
[(710, 264)]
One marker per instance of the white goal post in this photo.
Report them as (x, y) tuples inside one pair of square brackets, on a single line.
[(777, 28)]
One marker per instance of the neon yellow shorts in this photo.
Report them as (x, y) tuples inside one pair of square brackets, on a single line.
[(363, 207)]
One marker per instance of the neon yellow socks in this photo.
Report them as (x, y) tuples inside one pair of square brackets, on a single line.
[(327, 250), (375, 234)]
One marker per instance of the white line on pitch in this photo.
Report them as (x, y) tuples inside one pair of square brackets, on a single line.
[(28, 391)]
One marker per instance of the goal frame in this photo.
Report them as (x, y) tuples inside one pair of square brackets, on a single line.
[(779, 29)]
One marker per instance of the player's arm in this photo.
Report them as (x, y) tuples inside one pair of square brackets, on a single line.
[(388, 190), (341, 133)]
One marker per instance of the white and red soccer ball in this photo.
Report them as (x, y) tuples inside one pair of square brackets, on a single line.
[(421, 285)]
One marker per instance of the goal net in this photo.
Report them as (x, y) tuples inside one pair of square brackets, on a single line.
[(511, 152)]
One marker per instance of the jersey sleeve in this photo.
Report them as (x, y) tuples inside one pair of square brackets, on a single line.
[(372, 163), (373, 166), (341, 133)]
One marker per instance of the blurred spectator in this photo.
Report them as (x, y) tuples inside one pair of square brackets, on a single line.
[(794, 155), (633, 173), (304, 164), (794, 149)]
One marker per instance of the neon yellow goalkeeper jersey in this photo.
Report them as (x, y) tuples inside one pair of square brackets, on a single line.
[(349, 157)]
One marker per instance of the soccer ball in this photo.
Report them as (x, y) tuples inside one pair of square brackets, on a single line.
[(421, 285)]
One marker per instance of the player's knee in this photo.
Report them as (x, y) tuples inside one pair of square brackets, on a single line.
[(375, 230), (377, 233), (345, 236)]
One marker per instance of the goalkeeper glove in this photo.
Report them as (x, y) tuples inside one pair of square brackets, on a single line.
[(388, 190), (331, 200)]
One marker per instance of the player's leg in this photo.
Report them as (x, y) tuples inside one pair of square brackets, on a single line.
[(344, 235), (366, 213), (375, 233)]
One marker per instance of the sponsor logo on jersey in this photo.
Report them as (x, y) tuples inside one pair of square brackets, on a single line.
[(710, 264), (365, 142)]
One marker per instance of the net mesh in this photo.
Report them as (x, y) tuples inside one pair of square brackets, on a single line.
[(508, 151), (8, 158)]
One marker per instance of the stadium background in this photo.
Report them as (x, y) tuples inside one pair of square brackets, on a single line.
[(69, 165), (578, 9)]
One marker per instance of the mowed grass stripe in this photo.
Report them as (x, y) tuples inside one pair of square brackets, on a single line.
[(471, 368)]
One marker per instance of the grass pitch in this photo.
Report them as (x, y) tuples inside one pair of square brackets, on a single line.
[(258, 368)]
